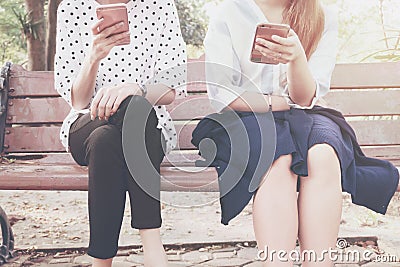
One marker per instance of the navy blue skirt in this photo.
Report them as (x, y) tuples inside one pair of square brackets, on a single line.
[(371, 182), (290, 140)]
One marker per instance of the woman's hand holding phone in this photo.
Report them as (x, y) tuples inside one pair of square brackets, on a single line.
[(282, 50), (106, 39)]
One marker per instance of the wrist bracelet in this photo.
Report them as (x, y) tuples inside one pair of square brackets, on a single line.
[(270, 102), (143, 88)]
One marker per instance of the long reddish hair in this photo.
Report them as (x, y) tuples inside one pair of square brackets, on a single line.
[(307, 19)]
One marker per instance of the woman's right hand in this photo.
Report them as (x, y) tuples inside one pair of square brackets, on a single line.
[(105, 40)]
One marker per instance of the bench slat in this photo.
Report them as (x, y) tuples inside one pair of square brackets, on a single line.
[(37, 110), (54, 110), (45, 139), (41, 83), (350, 103), (69, 177), (187, 157), (31, 83), (73, 177), (345, 76), (175, 158), (374, 132), (366, 75), (365, 102), (33, 139)]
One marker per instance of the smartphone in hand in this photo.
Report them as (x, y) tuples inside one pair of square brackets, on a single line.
[(265, 31), (113, 14)]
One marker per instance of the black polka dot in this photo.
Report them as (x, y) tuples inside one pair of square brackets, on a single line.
[(157, 47)]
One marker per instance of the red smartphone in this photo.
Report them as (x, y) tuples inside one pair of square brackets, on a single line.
[(113, 14), (265, 31)]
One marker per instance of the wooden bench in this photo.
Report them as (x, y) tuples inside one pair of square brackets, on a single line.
[(367, 94), (32, 112)]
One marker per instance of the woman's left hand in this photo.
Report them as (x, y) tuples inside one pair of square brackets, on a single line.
[(284, 51), (107, 99)]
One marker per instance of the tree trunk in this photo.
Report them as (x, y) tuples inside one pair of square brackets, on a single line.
[(36, 35), (51, 32)]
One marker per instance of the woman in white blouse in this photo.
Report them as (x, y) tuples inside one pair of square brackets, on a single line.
[(98, 77), (306, 61)]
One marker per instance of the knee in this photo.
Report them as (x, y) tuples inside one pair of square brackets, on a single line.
[(322, 159), (134, 100), (104, 140), (322, 155)]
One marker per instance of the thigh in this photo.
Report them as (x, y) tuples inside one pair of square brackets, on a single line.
[(79, 132), (279, 178)]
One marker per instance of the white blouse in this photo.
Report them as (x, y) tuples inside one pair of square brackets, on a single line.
[(228, 45), (156, 54)]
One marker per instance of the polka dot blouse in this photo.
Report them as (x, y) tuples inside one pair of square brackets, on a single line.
[(156, 54)]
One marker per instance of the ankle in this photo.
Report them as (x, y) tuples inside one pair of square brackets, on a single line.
[(155, 258)]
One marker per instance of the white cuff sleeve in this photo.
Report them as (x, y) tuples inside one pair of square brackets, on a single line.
[(294, 105)]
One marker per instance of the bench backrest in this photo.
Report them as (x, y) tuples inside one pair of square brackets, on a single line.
[(368, 94)]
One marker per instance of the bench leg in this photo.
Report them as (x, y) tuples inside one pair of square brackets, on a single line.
[(7, 246)]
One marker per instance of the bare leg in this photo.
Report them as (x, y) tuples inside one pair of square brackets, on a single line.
[(320, 203), (398, 187), (275, 211), (154, 254), (102, 263)]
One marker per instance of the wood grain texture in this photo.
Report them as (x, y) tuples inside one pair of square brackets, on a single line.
[(46, 139), (374, 132), (41, 83), (37, 110), (349, 102), (366, 75), (345, 76), (33, 139), (31, 83), (175, 158), (365, 102), (179, 158), (74, 177)]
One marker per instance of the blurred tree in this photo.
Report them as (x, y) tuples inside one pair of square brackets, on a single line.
[(33, 25), (51, 32), (359, 20), (193, 21)]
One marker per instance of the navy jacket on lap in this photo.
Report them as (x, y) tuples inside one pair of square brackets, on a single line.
[(371, 182)]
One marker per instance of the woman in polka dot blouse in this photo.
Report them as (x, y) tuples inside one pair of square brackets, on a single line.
[(97, 75)]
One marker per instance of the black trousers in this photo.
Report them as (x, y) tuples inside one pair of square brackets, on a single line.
[(98, 145)]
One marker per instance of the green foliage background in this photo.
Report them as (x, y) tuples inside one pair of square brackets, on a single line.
[(365, 33), (12, 43)]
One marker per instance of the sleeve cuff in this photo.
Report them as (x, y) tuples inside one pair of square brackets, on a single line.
[(224, 97), (294, 105)]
